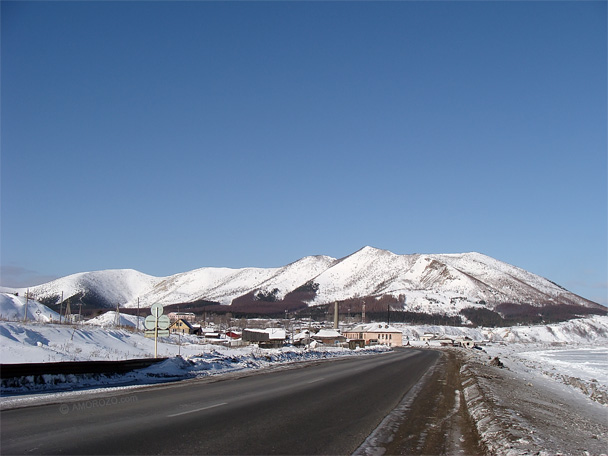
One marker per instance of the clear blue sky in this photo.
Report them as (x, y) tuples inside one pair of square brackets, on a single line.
[(167, 136)]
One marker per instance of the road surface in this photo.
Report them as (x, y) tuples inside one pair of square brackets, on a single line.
[(323, 408)]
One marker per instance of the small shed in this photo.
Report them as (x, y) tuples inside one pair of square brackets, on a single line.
[(445, 341), (302, 338), (353, 344), (329, 337)]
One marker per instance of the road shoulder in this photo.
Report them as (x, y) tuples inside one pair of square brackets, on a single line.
[(442, 424), (517, 413)]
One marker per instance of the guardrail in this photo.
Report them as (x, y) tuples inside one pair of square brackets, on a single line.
[(76, 367)]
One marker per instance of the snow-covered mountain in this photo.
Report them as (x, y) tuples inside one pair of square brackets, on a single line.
[(110, 287), (434, 283)]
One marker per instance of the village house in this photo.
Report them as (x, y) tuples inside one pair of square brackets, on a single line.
[(265, 338), (210, 333), (181, 326), (186, 316), (302, 338), (465, 342), (329, 337), (426, 337), (376, 333)]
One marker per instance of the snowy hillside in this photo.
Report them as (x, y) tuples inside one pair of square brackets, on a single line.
[(14, 308), (112, 318), (579, 331), (435, 283), (111, 287)]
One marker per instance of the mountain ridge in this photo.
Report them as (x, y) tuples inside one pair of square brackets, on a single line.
[(429, 283)]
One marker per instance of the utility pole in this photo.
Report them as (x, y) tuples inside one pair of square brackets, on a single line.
[(27, 298), (68, 311), (117, 316), (156, 335), (61, 307), (137, 314), (336, 315)]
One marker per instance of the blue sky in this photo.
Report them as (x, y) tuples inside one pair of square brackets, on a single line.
[(167, 136)]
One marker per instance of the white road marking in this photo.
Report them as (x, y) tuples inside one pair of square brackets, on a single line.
[(316, 380), (197, 410)]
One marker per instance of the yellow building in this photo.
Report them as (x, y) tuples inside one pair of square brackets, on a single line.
[(182, 326)]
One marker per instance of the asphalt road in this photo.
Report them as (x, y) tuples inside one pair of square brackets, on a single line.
[(324, 408)]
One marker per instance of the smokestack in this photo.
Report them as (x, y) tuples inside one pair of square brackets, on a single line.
[(336, 315), (363, 314)]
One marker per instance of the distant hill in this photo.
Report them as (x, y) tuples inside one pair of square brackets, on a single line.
[(442, 284)]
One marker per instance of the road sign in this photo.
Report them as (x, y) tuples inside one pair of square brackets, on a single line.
[(164, 322), (150, 322), (155, 319), (156, 309)]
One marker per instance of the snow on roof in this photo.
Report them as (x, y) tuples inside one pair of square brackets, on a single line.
[(328, 333), (376, 327), (274, 333), (185, 322)]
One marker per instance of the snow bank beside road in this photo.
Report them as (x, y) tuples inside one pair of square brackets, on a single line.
[(39, 343), (520, 411), (582, 367), (27, 343)]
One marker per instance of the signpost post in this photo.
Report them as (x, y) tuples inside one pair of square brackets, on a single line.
[(156, 325)]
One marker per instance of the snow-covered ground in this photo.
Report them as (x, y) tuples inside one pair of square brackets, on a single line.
[(16, 308), (30, 343), (574, 352), (36, 342), (540, 401), (584, 368), (112, 318)]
